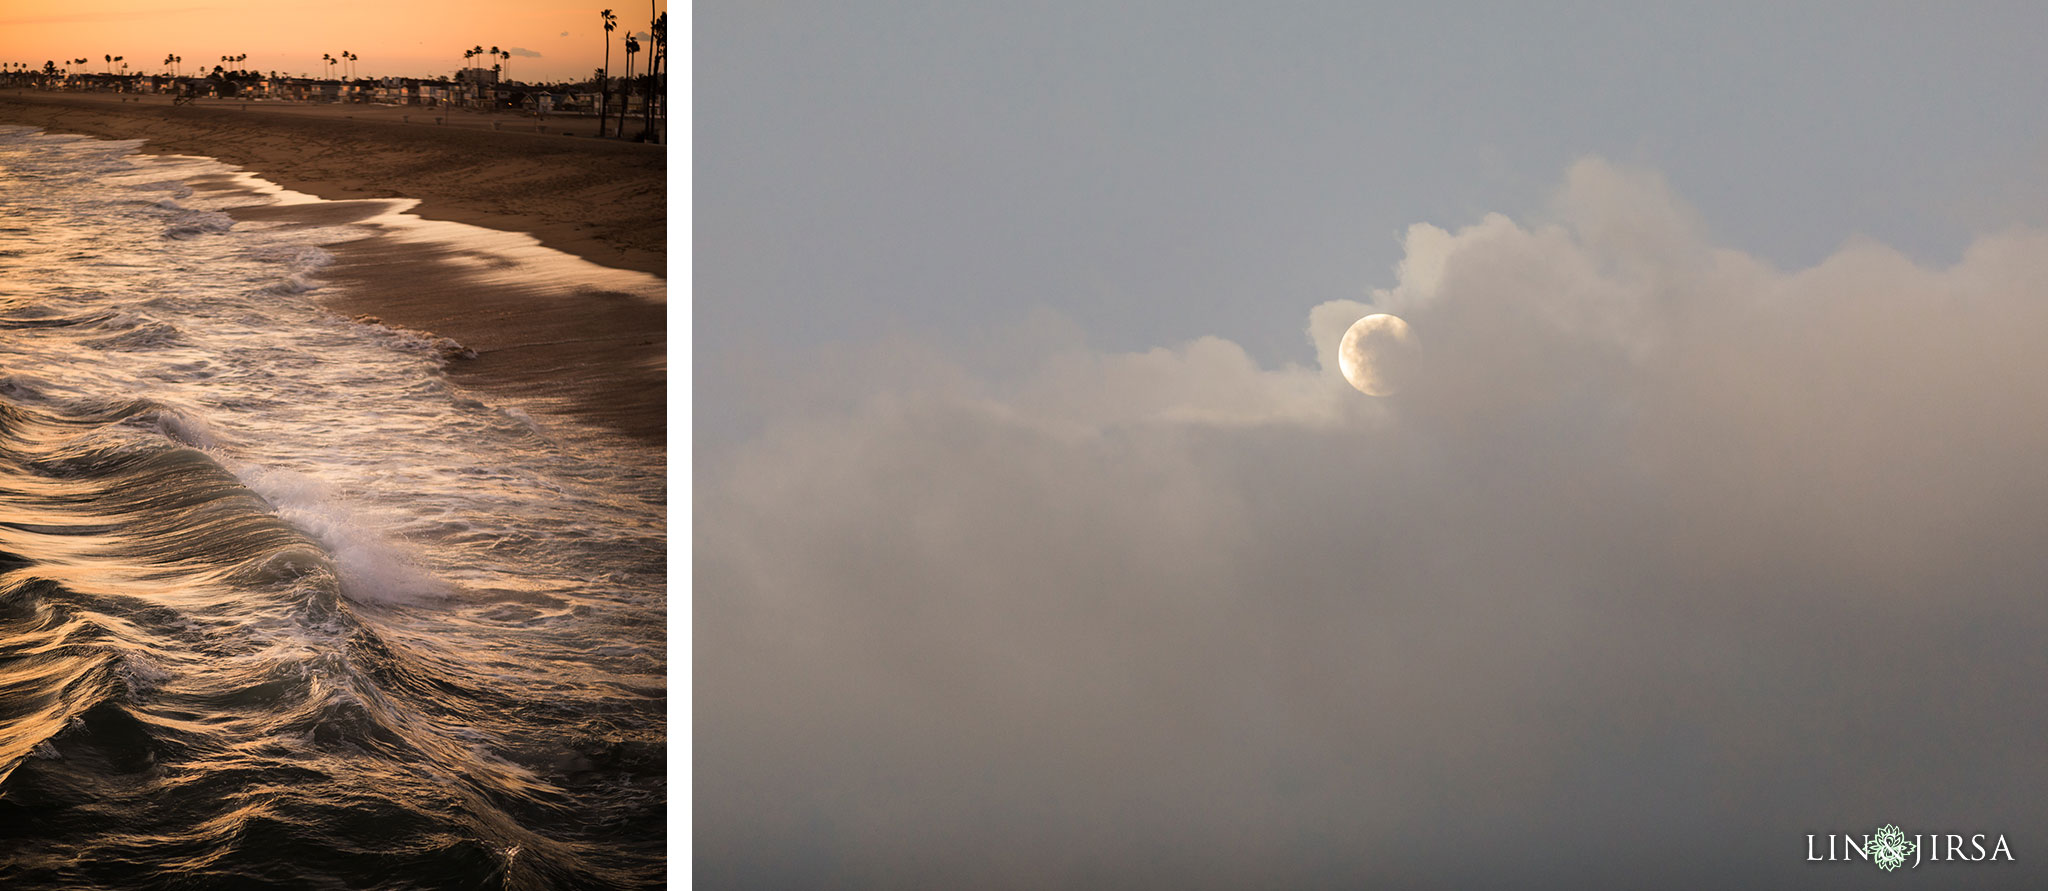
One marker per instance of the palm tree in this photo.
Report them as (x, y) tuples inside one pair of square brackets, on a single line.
[(605, 86), (655, 58), (653, 51), (352, 59), (626, 85), (507, 56), (476, 77), (110, 63)]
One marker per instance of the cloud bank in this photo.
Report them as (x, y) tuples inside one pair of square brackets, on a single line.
[(1664, 560)]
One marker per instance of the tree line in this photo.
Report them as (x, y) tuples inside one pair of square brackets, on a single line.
[(653, 86)]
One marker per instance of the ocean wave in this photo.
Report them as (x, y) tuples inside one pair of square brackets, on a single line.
[(195, 223), (130, 331), (177, 188), (157, 610), (278, 605)]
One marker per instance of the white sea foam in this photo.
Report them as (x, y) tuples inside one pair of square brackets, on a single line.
[(373, 567)]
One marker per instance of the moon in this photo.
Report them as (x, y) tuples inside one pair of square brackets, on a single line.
[(1377, 354)]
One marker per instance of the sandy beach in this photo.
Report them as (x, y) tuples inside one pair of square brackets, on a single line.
[(593, 354)]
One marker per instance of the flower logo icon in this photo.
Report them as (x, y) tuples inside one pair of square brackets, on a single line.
[(1889, 848)]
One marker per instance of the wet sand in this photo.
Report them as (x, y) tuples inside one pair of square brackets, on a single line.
[(606, 362), (587, 353)]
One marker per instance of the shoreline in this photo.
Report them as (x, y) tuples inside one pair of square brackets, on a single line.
[(605, 362), (601, 199), (556, 338)]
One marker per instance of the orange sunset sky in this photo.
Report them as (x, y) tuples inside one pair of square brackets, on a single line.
[(549, 40)]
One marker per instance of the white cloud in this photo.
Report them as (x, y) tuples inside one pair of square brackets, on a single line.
[(1661, 536)]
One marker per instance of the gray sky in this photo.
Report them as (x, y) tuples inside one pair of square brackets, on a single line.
[(1160, 172), (1038, 538)]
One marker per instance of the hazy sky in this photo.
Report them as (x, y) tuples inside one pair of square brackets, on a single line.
[(1037, 537), (1156, 172), (388, 37)]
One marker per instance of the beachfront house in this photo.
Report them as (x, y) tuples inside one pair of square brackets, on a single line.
[(423, 92), (400, 91), (298, 89), (104, 83), (475, 86), (302, 89)]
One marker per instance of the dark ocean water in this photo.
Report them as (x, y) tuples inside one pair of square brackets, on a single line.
[(279, 607)]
